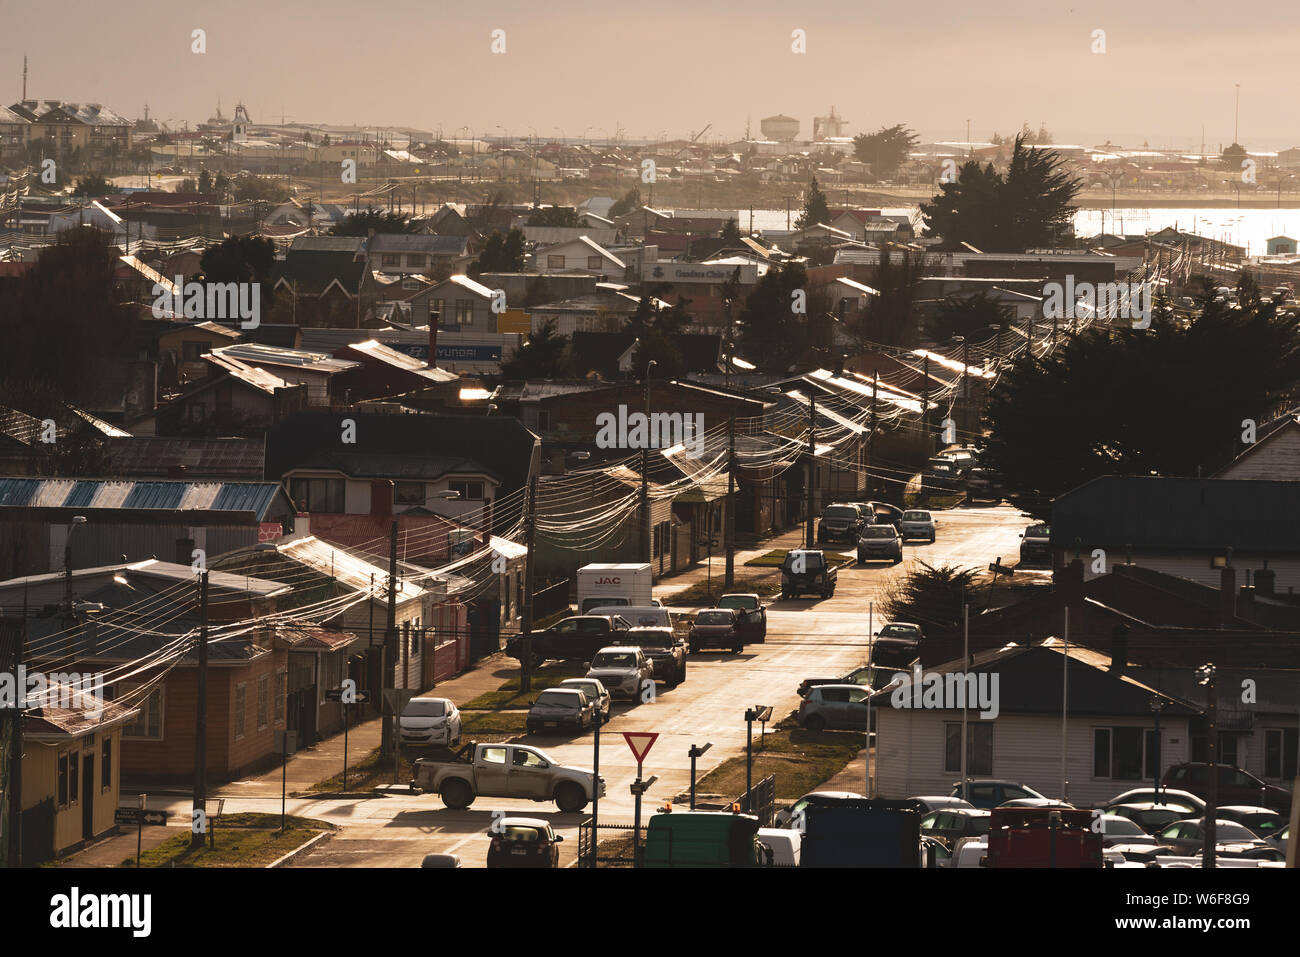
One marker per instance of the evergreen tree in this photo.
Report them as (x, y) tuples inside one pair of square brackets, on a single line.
[(815, 208)]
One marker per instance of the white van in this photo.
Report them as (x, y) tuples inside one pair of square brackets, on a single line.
[(620, 583), (638, 616), (784, 843)]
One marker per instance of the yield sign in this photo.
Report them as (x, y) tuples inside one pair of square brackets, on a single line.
[(640, 742)]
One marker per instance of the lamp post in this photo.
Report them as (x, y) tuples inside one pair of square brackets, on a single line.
[(1205, 676), (645, 469), (67, 559), (1158, 704), (696, 751)]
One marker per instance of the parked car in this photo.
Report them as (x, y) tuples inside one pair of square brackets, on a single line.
[(558, 709), (916, 523), (753, 615), (937, 803), (716, 628), (791, 815), (983, 485), (623, 669), (835, 706), (806, 570), (1281, 839), (505, 770), (880, 542), (949, 825), (1036, 802), (1164, 796), (666, 653), (989, 793), (1036, 545), (1144, 853), (839, 523), (882, 513), (1188, 836), (1149, 816), (578, 637), (1123, 830), (941, 474), (432, 722), (1260, 821), (441, 860), (524, 842), (596, 693), (896, 645), (1235, 786), (861, 675), (972, 853)]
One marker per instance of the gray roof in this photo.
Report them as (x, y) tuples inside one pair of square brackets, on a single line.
[(92, 494), (335, 244), (1179, 514), (417, 243)]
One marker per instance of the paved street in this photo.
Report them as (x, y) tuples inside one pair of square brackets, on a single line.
[(805, 636)]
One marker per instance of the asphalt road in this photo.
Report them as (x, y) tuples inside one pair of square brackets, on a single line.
[(806, 636)]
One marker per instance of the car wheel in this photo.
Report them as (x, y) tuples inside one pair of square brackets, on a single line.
[(931, 539), (456, 794), (681, 673), (815, 723), (695, 649), (569, 797), (737, 649)]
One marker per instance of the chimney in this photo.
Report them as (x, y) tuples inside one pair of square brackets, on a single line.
[(1227, 595), (381, 498), (302, 524), (1119, 649), (433, 338), (1264, 579)]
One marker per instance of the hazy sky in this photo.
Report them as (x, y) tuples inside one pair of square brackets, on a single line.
[(669, 65)]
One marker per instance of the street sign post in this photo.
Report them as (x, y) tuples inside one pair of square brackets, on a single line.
[(395, 701), (357, 697), (288, 744), (640, 743)]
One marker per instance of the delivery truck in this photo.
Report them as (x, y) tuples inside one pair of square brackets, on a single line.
[(619, 584)]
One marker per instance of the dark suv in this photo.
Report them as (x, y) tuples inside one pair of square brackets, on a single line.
[(666, 653), (1036, 545), (578, 637), (1235, 786), (806, 570), (840, 523)]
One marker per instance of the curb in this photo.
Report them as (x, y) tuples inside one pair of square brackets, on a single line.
[(319, 838), (326, 795)]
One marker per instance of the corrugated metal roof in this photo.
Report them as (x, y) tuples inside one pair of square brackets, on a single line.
[(255, 497), (82, 494), (18, 491), (155, 495), (244, 497)]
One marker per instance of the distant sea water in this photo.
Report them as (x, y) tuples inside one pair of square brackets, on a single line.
[(1241, 227)]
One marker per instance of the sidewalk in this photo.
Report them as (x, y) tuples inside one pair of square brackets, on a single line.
[(670, 586)]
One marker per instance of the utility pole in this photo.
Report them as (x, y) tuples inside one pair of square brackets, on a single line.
[(526, 629), (731, 503), (201, 722), (871, 436), (812, 462), (925, 404), (646, 528), (1206, 676), (387, 744), (16, 762)]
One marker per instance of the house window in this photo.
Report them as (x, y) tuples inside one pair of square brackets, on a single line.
[(148, 723), (1120, 754), (1219, 561), (63, 780), (594, 262), (106, 762), (74, 767), (554, 262), (318, 494), (1280, 746), (543, 419), (263, 701), (241, 705), (408, 493), (464, 312), (281, 691), (410, 284), (193, 351), (979, 747), (392, 259), (468, 490), (415, 259)]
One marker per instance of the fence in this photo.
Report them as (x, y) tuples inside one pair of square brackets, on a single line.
[(760, 800), (619, 848)]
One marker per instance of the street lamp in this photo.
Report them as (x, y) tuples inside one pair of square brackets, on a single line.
[(761, 713), (1158, 705), (67, 558), (645, 469), (1205, 676), (696, 751)]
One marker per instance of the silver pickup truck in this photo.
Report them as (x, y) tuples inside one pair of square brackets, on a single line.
[(504, 770)]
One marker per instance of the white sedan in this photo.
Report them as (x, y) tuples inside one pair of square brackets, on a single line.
[(430, 722), (916, 523)]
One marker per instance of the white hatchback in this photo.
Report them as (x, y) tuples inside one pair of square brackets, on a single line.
[(916, 523), (430, 722)]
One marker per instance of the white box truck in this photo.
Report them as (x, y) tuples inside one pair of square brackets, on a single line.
[(618, 584)]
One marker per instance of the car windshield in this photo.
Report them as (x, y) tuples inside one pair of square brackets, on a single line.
[(564, 699), (842, 511), (1038, 531), (738, 601), (588, 687), (714, 618), (899, 631), (812, 561), (1114, 824), (1232, 831), (879, 531), (425, 708), (649, 637), (615, 659), (518, 832), (916, 516)]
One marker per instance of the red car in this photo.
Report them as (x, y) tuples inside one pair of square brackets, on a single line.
[(1235, 786)]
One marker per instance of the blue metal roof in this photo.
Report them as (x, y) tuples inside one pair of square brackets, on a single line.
[(16, 491), (155, 495), (82, 494), (245, 497)]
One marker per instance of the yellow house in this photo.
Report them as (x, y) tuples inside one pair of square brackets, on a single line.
[(71, 768)]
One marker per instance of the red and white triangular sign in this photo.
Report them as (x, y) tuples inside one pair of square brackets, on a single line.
[(640, 742)]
